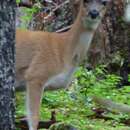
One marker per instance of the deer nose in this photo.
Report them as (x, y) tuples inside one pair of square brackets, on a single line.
[(104, 2), (94, 14)]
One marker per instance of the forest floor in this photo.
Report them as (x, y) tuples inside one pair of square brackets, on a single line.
[(75, 106)]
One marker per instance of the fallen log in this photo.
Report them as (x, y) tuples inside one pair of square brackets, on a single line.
[(22, 122), (111, 105)]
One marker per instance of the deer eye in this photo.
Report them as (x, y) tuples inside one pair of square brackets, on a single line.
[(104, 2), (87, 1)]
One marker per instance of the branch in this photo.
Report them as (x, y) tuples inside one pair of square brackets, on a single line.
[(23, 4), (61, 5), (64, 29), (111, 106)]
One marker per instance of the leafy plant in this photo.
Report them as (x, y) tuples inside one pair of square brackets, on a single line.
[(74, 106)]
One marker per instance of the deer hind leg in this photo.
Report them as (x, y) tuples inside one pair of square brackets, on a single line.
[(34, 93)]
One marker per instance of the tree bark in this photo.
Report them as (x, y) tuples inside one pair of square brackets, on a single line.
[(7, 71)]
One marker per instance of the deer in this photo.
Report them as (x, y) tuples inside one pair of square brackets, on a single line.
[(47, 60)]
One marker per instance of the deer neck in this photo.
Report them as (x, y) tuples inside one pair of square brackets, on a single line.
[(83, 29), (82, 33), (77, 28), (89, 26)]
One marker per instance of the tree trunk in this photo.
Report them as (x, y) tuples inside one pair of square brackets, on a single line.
[(7, 73)]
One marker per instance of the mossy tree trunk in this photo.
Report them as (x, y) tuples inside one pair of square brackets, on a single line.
[(7, 73)]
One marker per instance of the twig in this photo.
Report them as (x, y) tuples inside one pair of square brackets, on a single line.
[(64, 29), (56, 8), (59, 6)]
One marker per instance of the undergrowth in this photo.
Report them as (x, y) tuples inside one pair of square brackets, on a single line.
[(74, 105)]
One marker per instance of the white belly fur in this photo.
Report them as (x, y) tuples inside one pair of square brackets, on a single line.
[(61, 80)]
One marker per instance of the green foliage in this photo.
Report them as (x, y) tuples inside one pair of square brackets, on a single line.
[(74, 106), (18, 1), (96, 81), (62, 126), (28, 14)]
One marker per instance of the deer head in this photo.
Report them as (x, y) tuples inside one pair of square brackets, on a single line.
[(95, 10)]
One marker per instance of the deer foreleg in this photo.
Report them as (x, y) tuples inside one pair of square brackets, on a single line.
[(33, 96)]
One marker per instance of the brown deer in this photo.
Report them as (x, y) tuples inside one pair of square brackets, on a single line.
[(48, 60)]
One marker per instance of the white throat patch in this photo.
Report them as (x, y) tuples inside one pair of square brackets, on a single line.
[(85, 39)]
